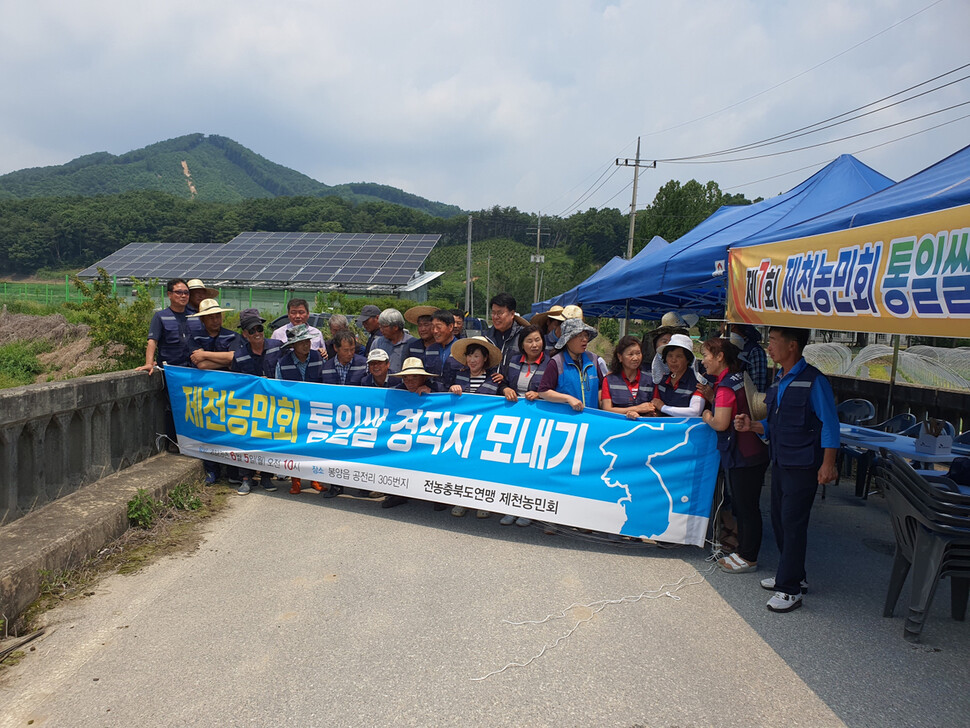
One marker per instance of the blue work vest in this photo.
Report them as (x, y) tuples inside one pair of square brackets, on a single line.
[(581, 384), (679, 396), (291, 372), (738, 449), (261, 365), (225, 340), (620, 393), (177, 332), (794, 430), (514, 368), (463, 380), (358, 369)]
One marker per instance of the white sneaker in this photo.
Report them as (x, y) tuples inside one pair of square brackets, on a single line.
[(507, 520), (782, 602), (769, 584), (459, 511)]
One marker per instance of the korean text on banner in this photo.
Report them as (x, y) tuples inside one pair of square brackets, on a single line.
[(904, 276), (653, 477)]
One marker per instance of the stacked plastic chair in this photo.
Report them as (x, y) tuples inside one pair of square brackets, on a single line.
[(931, 520)]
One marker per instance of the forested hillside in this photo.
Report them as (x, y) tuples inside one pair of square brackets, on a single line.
[(195, 167), (75, 232)]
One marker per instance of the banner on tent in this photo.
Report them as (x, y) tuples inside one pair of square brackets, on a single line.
[(652, 477), (904, 276)]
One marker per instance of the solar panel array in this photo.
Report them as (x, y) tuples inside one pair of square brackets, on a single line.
[(353, 260)]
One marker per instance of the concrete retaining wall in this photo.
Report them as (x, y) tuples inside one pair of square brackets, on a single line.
[(58, 436)]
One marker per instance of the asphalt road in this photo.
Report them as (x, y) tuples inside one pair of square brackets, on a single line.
[(306, 611)]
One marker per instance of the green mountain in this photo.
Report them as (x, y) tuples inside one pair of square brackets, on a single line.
[(196, 166)]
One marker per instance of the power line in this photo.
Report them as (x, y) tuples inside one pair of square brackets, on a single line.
[(817, 126), (819, 144), (590, 193), (798, 75), (857, 151)]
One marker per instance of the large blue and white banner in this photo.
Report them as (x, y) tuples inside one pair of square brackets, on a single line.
[(652, 477)]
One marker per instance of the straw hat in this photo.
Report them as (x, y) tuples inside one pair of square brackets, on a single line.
[(459, 348), (209, 306), (415, 312), (572, 312), (571, 328), (196, 283), (520, 320), (412, 365), (553, 313), (756, 400), (297, 334), (679, 320)]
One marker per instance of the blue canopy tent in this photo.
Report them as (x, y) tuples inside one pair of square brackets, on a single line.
[(941, 186), (690, 274), (573, 295)]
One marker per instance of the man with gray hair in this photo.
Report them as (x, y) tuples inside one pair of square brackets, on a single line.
[(394, 338), (338, 322)]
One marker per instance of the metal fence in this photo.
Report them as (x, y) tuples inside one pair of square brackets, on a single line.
[(270, 302)]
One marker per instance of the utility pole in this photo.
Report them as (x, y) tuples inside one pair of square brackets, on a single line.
[(538, 258), (633, 208), (488, 288), (468, 271)]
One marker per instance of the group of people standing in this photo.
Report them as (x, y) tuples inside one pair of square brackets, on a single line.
[(548, 358)]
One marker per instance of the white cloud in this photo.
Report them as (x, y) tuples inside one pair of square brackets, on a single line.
[(475, 104)]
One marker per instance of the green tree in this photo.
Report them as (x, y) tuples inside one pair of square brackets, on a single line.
[(677, 209), (117, 326)]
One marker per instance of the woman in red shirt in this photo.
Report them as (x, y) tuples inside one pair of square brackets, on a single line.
[(627, 389), (744, 456)]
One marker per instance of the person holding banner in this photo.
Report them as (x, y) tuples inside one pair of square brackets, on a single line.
[(213, 348), (802, 430), (573, 374), (671, 323), (627, 389), (437, 358), (523, 373), (300, 363), (479, 359), (257, 356), (744, 457), (414, 378), (677, 394)]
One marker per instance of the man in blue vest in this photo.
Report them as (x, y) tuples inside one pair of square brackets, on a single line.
[(300, 363), (169, 335), (257, 356), (171, 330), (346, 366), (802, 430), (213, 348)]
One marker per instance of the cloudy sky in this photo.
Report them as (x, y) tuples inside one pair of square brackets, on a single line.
[(522, 103)]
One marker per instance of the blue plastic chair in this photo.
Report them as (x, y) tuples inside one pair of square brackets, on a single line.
[(856, 411)]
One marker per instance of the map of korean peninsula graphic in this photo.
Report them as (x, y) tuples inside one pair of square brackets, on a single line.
[(650, 509)]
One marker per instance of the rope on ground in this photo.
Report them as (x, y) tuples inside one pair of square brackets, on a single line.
[(664, 590)]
